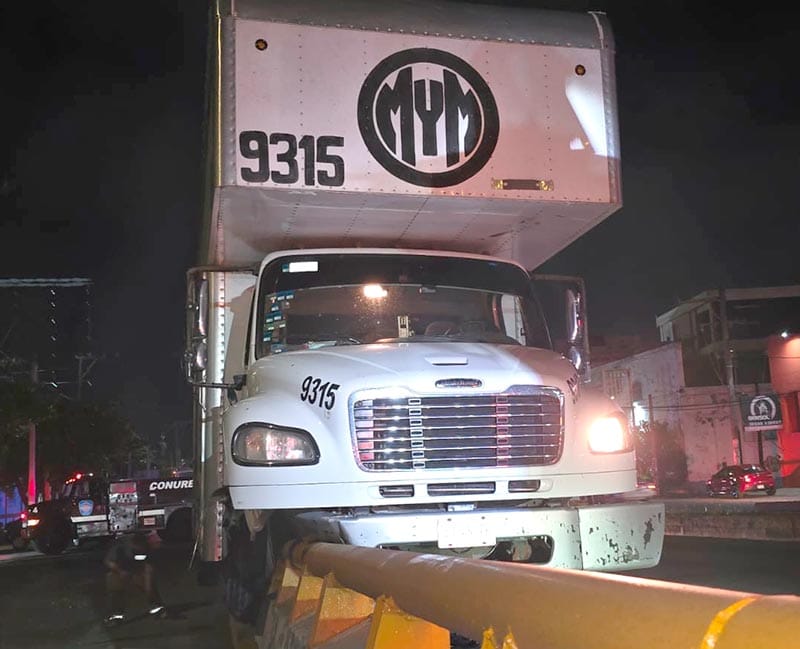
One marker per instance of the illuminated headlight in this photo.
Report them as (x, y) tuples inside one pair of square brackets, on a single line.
[(268, 445), (32, 522), (610, 435)]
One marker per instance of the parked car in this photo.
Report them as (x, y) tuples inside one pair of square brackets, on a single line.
[(739, 479), (13, 533)]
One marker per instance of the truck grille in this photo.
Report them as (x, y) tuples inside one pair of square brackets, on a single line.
[(522, 427)]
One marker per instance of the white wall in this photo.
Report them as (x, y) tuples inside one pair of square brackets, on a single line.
[(655, 375), (705, 419), (702, 415)]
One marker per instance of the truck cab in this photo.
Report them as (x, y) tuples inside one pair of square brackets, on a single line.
[(413, 400)]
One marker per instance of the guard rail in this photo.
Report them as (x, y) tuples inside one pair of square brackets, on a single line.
[(327, 595)]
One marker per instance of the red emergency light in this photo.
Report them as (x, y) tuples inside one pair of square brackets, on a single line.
[(77, 477)]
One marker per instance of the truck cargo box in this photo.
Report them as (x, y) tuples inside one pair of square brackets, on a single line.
[(468, 129)]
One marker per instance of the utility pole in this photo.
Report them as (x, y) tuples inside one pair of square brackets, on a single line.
[(83, 373), (32, 443), (655, 443), (730, 371)]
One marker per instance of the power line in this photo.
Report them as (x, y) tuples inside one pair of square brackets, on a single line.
[(44, 282), (701, 406)]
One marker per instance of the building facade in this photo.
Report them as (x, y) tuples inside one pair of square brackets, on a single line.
[(712, 360), (783, 351)]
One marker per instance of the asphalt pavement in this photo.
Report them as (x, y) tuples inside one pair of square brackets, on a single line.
[(57, 602)]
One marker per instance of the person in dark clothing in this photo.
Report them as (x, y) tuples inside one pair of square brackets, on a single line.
[(129, 566)]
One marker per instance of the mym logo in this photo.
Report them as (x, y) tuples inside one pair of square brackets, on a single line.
[(428, 117)]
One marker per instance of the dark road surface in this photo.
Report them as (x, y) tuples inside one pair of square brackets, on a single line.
[(764, 567), (61, 602)]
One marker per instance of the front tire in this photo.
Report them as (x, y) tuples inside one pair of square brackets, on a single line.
[(54, 537), (247, 565), (208, 573), (179, 527)]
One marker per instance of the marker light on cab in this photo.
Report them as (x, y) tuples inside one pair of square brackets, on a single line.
[(271, 445), (610, 434)]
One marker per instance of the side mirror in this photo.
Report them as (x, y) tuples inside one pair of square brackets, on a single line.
[(195, 353), (574, 302), (563, 300), (199, 355), (576, 326), (201, 366), (202, 306)]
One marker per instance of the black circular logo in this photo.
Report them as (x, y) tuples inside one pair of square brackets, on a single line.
[(428, 117)]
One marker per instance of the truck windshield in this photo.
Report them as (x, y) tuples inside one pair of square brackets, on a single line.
[(308, 302)]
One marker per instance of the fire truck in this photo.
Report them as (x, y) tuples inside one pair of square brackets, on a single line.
[(165, 506), (94, 507)]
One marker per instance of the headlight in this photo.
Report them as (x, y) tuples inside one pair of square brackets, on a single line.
[(268, 445), (610, 435)]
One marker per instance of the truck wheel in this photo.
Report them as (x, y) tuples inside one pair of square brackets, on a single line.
[(179, 527), (251, 560), (208, 573), (53, 538), (20, 543)]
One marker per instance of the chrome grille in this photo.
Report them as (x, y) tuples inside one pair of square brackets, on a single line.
[(521, 428)]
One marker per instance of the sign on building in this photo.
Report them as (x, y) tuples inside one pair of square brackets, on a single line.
[(761, 412)]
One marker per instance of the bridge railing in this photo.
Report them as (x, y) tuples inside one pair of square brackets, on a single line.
[(348, 597)]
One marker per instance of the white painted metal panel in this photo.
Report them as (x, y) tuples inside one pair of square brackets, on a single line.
[(307, 82), (293, 93)]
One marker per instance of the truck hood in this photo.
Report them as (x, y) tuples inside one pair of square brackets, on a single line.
[(417, 366)]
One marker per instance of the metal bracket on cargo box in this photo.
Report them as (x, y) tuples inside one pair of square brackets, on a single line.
[(523, 183)]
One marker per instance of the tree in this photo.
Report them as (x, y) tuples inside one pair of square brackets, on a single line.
[(86, 436), (71, 436), (21, 403), (660, 454)]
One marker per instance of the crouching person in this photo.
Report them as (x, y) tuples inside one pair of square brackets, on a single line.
[(130, 567)]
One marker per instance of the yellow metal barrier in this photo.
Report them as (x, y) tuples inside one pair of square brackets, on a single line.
[(354, 598)]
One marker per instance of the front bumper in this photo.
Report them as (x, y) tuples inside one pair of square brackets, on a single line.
[(87, 527), (624, 536)]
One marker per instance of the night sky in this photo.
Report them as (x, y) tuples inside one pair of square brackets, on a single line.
[(100, 168)]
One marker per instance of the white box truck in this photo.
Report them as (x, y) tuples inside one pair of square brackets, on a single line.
[(370, 361)]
